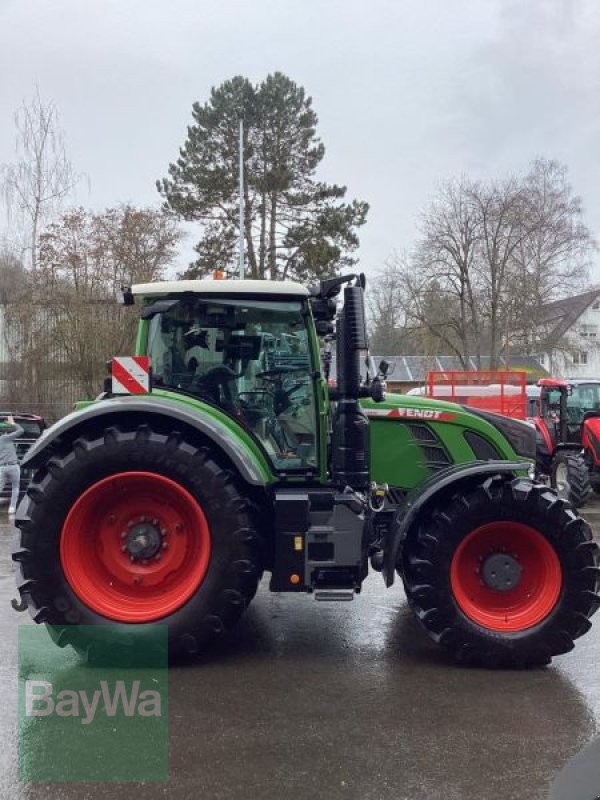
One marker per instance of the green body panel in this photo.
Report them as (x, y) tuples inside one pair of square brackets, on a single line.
[(81, 404), (321, 396), (141, 339), (246, 443), (397, 457)]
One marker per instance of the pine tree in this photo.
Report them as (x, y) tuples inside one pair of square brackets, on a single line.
[(296, 227)]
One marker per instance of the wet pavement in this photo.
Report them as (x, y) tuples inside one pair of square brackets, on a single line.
[(341, 700)]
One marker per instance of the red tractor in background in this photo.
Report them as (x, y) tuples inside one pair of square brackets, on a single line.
[(565, 413), (567, 422)]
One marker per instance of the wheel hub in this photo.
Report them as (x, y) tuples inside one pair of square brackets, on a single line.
[(135, 546), (501, 572), (506, 576), (143, 541)]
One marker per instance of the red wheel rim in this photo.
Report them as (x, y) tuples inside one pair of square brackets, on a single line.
[(100, 547), (531, 599)]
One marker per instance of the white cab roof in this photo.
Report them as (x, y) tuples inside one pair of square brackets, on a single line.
[(286, 288)]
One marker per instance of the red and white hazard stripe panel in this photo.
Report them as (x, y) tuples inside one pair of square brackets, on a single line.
[(130, 375)]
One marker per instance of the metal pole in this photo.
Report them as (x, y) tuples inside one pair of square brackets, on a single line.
[(241, 242)]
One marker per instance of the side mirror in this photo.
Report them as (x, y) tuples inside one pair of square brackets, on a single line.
[(127, 298), (384, 368)]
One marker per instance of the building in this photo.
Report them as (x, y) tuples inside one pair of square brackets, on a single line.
[(410, 372), (569, 336)]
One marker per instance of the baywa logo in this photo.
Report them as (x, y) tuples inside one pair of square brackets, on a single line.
[(86, 719), (41, 702)]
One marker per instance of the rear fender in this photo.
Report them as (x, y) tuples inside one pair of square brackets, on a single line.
[(590, 437), (541, 427), (573, 447), (108, 412), (443, 482)]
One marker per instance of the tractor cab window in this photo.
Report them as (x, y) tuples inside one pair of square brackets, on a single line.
[(582, 398), (551, 403), (249, 357)]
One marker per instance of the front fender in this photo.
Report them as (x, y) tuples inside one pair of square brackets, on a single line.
[(416, 501), (252, 469)]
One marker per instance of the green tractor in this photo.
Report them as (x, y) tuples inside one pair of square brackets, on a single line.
[(164, 500)]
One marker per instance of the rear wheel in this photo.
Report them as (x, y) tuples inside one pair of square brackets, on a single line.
[(505, 575), (134, 527), (571, 478)]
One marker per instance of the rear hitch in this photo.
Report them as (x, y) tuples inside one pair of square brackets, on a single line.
[(18, 605)]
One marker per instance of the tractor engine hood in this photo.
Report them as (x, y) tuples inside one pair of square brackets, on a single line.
[(520, 434)]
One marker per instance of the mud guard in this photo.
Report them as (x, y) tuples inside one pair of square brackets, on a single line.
[(416, 501), (249, 469), (590, 438)]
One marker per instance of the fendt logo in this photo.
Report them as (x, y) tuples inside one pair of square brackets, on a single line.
[(411, 413), (41, 702)]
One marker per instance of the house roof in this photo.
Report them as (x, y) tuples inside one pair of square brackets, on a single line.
[(414, 369), (558, 317)]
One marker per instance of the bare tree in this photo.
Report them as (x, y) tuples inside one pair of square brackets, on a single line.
[(388, 334), (36, 184), (84, 258), (432, 311), (447, 256), (490, 256), (438, 286), (552, 259), (500, 208)]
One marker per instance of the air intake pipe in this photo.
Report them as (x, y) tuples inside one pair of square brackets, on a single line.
[(350, 440)]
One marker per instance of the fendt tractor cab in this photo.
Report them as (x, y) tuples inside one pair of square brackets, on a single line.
[(237, 457), (567, 421)]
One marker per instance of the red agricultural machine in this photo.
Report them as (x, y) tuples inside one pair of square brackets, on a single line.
[(498, 391), (566, 415), (567, 422)]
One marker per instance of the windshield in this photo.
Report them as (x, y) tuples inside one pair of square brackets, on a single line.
[(582, 398), (250, 358)]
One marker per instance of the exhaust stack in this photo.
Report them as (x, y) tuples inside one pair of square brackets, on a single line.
[(350, 441)]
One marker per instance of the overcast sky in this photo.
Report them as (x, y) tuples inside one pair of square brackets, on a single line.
[(407, 93)]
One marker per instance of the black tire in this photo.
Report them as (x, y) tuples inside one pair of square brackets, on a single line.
[(426, 569), (578, 488), (233, 572)]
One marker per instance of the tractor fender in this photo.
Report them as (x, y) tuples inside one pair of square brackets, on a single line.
[(590, 436), (417, 500), (574, 447), (235, 449)]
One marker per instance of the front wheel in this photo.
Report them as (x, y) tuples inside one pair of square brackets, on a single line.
[(571, 478), (127, 528), (503, 575)]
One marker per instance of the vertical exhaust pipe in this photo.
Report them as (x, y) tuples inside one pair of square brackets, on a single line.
[(350, 441)]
